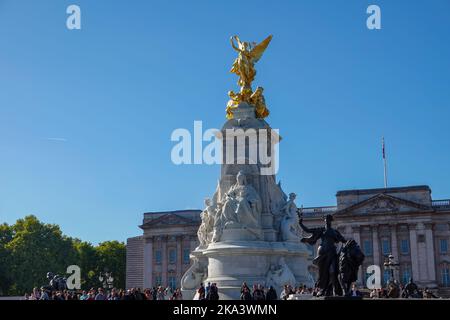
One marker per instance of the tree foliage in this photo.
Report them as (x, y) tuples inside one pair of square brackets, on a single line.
[(29, 249)]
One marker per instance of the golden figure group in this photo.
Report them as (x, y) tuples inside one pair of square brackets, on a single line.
[(244, 68)]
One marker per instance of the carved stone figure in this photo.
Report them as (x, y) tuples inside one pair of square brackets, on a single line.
[(280, 275), (194, 275), (205, 231), (248, 203), (241, 209), (289, 227)]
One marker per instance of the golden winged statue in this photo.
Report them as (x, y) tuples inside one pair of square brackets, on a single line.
[(244, 68)]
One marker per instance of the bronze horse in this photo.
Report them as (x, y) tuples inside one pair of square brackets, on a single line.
[(350, 259)]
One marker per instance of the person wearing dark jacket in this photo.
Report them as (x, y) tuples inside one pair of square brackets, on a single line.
[(245, 293), (271, 294)]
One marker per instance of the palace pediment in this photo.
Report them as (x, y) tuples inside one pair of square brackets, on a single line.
[(383, 203)]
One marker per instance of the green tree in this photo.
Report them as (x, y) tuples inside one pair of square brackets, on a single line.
[(6, 234), (87, 260), (112, 257), (37, 248), (29, 249)]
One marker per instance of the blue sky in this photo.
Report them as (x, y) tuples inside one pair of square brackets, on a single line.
[(113, 92)]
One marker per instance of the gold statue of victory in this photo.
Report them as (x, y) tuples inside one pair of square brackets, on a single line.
[(244, 68)]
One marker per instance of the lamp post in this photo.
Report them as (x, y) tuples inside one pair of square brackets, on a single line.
[(106, 279), (390, 264)]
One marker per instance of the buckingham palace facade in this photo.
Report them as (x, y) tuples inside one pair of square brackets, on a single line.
[(404, 222)]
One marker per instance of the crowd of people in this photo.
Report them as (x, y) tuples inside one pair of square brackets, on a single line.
[(258, 292), (211, 292), (155, 293), (208, 292), (396, 290)]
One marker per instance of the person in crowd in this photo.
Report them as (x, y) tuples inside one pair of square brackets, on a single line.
[(44, 294), (100, 295), (148, 294), (271, 294), (154, 293), (35, 295), (113, 295), (354, 292), (258, 293), (287, 291), (177, 295), (428, 294), (201, 292), (245, 293), (244, 286), (84, 295), (213, 292), (160, 295), (139, 295), (207, 289)]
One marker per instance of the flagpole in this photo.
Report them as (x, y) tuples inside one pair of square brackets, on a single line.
[(384, 164)]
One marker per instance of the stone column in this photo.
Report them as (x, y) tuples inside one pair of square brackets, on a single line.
[(376, 246), (414, 252), (357, 238), (430, 252), (394, 249), (148, 262), (164, 260), (179, 261)]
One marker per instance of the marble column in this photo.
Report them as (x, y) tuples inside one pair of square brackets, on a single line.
[(430, 252), (179, 260), (376, 246), (148, 262), (164, 261), (357, 238), (414, 252)]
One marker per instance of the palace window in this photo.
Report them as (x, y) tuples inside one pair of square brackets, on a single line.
[(386, 246), (367, 247), (404, 246), (172, 256), (158, 256), (443, 245), (172, 282), (158, 281), (186, 253), (386, 275), (406, 275), (445, 277)]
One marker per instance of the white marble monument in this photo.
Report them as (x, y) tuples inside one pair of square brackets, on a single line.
[(249, 229)]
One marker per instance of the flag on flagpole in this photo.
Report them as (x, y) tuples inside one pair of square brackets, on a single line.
[(384, 154)]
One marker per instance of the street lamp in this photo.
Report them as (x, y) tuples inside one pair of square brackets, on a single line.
[(106, 279), (390, 264)]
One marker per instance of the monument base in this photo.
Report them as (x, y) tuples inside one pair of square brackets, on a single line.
[(230, 263)]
